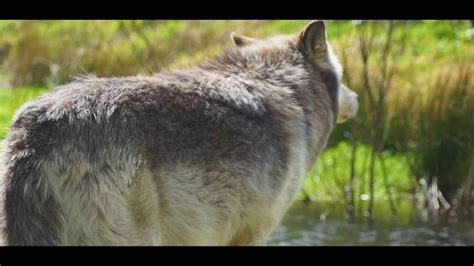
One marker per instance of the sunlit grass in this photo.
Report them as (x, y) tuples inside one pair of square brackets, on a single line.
[(131, 47), (329, 179)]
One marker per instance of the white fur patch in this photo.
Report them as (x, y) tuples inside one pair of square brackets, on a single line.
[(348, 104)]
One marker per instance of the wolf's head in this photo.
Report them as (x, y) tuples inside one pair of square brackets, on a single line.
[(311, 42)]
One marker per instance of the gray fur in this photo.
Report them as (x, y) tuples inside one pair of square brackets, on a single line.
[(212, 155)]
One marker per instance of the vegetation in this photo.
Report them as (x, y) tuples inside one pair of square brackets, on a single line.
[(413, 136)]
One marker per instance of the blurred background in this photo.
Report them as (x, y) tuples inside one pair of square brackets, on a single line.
[(401, 173)]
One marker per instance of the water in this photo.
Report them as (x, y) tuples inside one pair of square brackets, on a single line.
[(305, 226)]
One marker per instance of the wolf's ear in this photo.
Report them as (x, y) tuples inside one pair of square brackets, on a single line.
[(313, 39), (241, 40)]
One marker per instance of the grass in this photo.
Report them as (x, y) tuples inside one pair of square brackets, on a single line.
[(329, 179), (29, 50)]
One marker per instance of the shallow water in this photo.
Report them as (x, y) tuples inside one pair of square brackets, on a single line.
[(304, 226)]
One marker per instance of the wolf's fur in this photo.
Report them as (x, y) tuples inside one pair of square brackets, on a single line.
[(212, 155)]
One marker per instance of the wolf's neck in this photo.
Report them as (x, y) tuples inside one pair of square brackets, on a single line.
[(284, 74), (276, 68)]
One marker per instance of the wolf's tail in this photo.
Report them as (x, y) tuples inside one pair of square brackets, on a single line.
[(32, 213)]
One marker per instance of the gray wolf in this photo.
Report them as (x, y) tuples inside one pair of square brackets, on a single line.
[(210, 155)]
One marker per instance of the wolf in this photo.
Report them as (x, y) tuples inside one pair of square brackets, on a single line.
[(210, 155)]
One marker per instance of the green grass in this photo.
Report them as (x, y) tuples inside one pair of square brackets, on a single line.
[(11, 100), (27, 48), (329, 179)]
